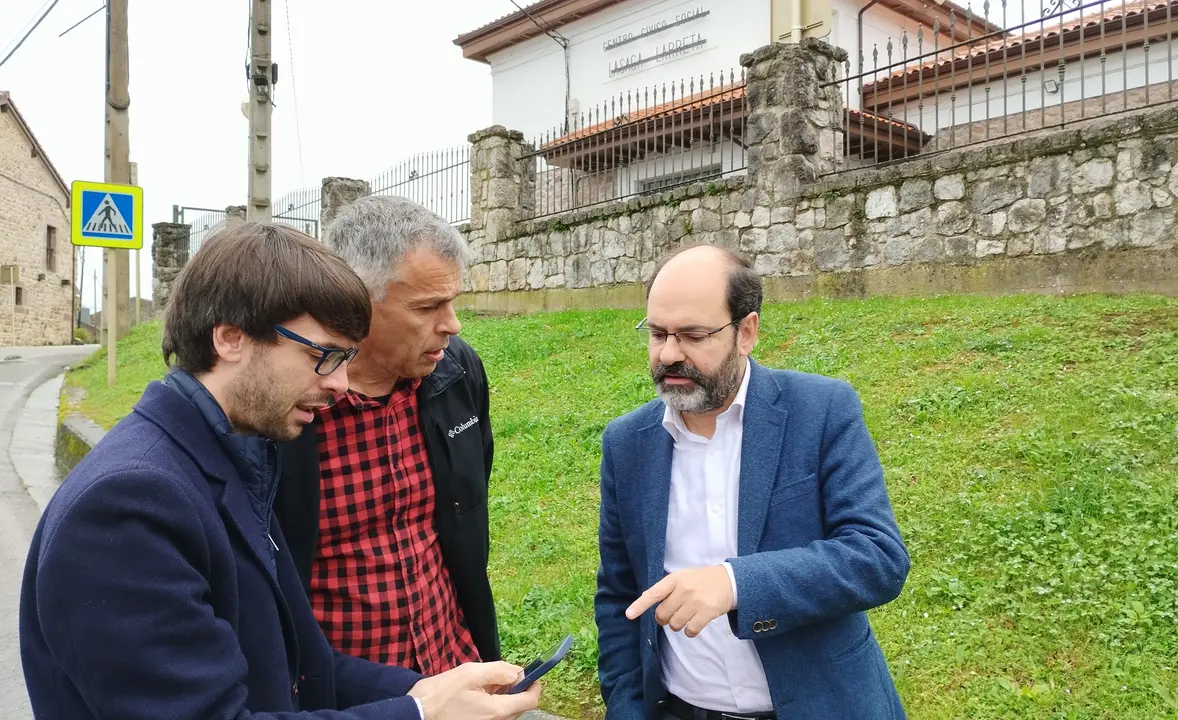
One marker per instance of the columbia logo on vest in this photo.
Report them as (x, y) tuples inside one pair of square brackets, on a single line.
[(457, 429)]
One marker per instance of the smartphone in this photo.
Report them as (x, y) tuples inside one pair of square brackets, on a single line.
[(541, 665)]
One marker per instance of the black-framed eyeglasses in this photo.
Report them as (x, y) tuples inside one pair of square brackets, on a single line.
[(329, 359), (685, 337)]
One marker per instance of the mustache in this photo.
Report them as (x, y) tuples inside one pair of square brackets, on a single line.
[(681, 369), (324, 400)]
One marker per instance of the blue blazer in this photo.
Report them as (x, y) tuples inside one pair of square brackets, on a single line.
[(818, 546), (152, 590)]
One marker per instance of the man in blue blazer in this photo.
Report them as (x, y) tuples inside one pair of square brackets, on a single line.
[(745, 526), (158, 584)]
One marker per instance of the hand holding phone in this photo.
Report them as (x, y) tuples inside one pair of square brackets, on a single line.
[(541, 665), (465, 693)]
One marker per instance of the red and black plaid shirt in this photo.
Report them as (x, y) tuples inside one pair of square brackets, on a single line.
[(379, 587)]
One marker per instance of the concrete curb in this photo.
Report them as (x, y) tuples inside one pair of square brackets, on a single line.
[(33, 433), (76, 437)]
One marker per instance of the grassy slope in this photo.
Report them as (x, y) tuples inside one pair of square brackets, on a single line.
[(1031, 450)]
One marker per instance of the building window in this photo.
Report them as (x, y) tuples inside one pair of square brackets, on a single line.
[(51, 249), (20, 296)]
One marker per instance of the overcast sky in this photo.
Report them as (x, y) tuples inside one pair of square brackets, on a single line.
[(376, 81)]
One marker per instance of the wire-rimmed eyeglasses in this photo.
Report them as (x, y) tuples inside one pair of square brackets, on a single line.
[(689, 338)]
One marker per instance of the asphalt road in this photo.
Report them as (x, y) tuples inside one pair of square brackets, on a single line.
[(19, 377)]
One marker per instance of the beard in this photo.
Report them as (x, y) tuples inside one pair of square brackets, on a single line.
[(263, 406), (708, 393)]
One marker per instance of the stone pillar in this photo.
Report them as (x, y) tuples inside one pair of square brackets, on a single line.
[(795, 124), (169, 255), (234, 215), (337, 194), (502, 183)]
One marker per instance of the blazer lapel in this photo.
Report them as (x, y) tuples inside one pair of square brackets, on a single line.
[(184, 423), (760, 455), (239, 515), (188, 428), (653, 474)]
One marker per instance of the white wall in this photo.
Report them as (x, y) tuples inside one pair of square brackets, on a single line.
[(1007, 97), (528, 80)]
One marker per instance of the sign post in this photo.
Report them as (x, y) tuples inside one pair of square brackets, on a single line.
[(107, 215)]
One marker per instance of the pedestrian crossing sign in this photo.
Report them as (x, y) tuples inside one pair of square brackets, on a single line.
[(107, 215)]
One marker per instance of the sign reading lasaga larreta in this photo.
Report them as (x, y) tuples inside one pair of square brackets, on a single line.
[(656, 41)]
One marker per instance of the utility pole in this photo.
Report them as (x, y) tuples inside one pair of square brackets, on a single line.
[(134, 172), (261, 84), (80, 283), (118, 170)]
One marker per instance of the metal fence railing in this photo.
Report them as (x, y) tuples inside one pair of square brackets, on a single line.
[(1048, 66), (439, 180), (300, 209), (202, 223), (642, 142)]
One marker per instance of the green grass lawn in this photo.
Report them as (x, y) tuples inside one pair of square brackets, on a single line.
[(1031, 450)]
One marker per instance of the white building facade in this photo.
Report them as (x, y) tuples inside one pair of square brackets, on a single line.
[(624, 97), (636, 46)]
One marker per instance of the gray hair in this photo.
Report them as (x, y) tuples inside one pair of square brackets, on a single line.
[(374, 233)]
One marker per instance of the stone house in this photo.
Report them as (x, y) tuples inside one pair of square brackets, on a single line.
[(37, 265)]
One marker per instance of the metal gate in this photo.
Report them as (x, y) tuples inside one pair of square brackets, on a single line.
[(202, 222), (300, 209)]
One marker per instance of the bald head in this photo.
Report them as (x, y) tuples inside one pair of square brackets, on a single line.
[(709, 274)]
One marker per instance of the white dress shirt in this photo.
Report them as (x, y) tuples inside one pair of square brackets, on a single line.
[(714, 670)]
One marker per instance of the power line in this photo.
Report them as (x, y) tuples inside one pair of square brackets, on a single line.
[(548, 29), (563, 42), (83, 20), (249, 48), (294, 92), (30, 32), (25, 27)]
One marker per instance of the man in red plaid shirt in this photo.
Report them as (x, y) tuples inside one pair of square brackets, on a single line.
[(383, 498)]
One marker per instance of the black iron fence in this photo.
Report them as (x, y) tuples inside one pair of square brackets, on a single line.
[(642, 142), (439, 180), (1048, 65)]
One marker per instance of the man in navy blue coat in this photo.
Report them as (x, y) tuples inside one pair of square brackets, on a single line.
[(745, 525), (158, 584)]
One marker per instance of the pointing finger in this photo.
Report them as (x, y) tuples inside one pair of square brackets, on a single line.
[(656, 594)]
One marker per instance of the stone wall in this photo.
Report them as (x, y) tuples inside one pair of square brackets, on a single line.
[(618, 243), (31, 201), (1088, 208), (1109, 186), (169, 255)]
